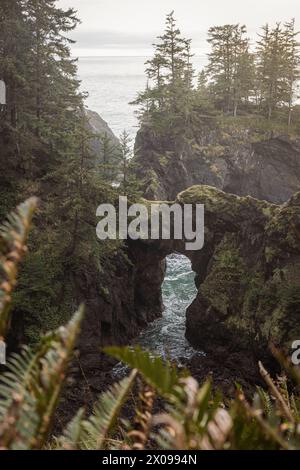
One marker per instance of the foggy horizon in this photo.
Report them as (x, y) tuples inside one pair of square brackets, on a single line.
[(130, 27)]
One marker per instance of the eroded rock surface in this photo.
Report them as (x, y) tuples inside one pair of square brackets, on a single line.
[(238, 162), (247, 274)]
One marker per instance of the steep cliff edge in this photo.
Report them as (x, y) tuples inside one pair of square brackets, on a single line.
[(248, 280), (249, 293), (237, 160), (247, 274), (100, 128)]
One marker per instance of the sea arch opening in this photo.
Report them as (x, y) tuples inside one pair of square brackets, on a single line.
[(165, 336)]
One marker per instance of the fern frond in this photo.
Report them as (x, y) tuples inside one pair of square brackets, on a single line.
[(31, 388), (139, 434), (268, 432), (194, 420), (281, 401), (13, 236), (295, 406), (217, 431), (159, 374), (106, 411), (72, 436), (20, 370), (265, 401)]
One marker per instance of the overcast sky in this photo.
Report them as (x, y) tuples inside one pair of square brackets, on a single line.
[(129, 27)]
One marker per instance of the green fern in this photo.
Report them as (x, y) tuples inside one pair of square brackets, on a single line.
[(72, 437), (158, 373), (13, 236), (263, 401), (92, 433), (31, 388), (106, 412), (195, 420)]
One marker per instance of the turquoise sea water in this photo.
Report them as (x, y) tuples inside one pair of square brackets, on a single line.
[(166, 335)]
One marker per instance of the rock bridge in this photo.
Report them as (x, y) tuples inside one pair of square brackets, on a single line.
[(247, 276), (247, 273)]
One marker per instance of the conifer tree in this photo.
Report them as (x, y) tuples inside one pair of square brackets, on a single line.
[(126, 155), (14, 37), (270, 68), (130, 185), (53, 84), (172, 47), (230, 66), (292, 67), (167, 100), (47, 151)]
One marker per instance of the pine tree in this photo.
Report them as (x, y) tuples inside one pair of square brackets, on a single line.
[(167, 101), (244, 71), (172, 48), (53, 83), (126, 156), (130, 184), (14, 37), (292, 67), (271, 68), (230, 66), (47, 152)]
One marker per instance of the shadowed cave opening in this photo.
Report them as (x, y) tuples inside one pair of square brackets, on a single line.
[(165, 336)]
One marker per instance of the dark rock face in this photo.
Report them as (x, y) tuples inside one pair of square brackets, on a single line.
[(119, 303), (99, 127), (267, 170), (235, 162), (247, 274), (248, 279)]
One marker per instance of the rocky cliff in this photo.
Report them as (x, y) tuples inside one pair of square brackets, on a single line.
[(248, 280), (247, 274), (239, 161), (100, 128)]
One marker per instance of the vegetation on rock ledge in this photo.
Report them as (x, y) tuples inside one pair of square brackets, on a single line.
[(193, 418)]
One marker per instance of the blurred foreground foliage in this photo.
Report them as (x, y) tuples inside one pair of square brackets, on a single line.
[(193, 417)]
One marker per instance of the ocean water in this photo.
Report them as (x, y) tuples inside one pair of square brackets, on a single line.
[(166, 335), (113, 82)]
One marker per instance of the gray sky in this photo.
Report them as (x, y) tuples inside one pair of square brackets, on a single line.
[(129, 27)]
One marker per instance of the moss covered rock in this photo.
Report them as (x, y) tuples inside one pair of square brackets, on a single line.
[(247, 274)]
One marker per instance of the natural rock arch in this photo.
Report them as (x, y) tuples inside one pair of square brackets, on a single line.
[(247, 274)]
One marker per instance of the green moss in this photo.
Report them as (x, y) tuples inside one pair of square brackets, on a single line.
[(224, 284), (290, 298), (104, 292), (268, 211), (270, 253), (163, 160), (213, 150)]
